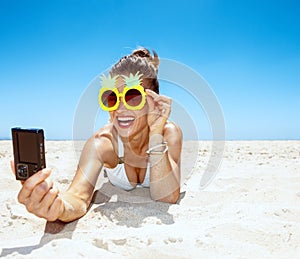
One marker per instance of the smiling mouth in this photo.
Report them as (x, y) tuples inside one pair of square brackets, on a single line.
[(126, 121)]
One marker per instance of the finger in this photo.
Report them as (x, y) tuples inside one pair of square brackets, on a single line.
[(31, 182), (164, 103), (166, 112), (41, 209), (163, 106), (48, 201), (151, 104), (55, 209), (50, 197), (164, 100), (39, 191), (158, 97), (151, 93), (12, 166)]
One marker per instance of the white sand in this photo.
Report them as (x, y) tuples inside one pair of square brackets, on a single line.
[(250, 210)]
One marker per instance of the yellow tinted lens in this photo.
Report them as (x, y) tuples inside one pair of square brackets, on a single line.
[(109, 99), (134, 97)]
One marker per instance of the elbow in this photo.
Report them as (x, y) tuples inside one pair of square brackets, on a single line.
[(171, 198)]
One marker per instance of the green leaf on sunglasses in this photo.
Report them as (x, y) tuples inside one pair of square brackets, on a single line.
[(108, 81), (133, 80)]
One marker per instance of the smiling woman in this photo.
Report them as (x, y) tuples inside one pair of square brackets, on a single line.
[(139, 146)]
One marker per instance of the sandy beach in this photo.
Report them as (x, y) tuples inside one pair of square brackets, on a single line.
[(250, 210)]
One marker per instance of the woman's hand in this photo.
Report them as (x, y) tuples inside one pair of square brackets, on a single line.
[(39, 196), (159, 109)]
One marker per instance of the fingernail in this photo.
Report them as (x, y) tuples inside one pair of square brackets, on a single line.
[(46, 170)]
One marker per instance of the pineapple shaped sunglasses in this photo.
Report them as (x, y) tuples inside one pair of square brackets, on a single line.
[(133, 95)]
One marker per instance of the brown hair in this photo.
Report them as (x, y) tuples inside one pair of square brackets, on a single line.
[(140, 60)]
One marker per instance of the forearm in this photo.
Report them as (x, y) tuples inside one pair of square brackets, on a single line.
[(164, 176), (164, 185)]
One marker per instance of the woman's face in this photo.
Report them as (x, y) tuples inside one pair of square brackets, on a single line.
[(128, 122)]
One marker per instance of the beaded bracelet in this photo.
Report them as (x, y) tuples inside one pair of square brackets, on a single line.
[(151, 150)]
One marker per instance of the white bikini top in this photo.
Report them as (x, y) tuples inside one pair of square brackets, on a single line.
[(117, 175)]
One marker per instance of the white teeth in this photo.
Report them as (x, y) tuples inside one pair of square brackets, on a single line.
[(125, 119)]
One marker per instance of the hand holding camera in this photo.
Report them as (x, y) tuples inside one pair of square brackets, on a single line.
[(37, 192), (39, 196)]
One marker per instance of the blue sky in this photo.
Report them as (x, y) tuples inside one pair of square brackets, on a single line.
[(248, 52)]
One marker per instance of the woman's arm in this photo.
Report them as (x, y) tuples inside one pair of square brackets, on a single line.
[(165, 166), (41, 199), (77, 198)]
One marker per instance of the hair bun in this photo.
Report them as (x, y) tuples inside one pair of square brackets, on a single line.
[(145, 53), (141, 52)]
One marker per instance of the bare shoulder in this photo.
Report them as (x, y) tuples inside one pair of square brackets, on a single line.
[(105, 132), (172, 133), (173, 137), (103, 141)]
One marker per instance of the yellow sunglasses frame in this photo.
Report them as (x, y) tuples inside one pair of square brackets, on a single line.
[(118, 94)]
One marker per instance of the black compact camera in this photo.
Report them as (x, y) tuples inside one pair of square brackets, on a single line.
[(29, 151)]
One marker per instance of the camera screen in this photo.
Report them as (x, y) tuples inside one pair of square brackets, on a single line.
[(28, 147)]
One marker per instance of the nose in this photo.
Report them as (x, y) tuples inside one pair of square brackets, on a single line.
[(121, 105)]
